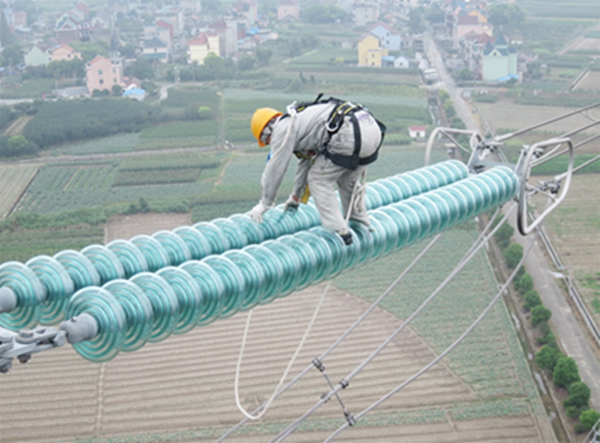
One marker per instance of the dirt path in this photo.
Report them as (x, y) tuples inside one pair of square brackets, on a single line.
[(17, 126)]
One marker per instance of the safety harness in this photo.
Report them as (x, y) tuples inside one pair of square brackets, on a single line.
[(341, 110)]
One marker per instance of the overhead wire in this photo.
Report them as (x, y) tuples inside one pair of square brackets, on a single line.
[(346, 380), (351, 329), (449, 348), (367, 312)]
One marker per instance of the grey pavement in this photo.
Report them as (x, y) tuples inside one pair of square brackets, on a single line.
[(569, 331)]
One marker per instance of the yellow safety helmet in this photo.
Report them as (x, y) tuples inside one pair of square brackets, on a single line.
[(261, 117)]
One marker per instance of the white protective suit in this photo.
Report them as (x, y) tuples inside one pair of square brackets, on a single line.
[(305, 132)]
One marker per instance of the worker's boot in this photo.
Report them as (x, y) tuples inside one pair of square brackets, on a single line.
[(346, 237)]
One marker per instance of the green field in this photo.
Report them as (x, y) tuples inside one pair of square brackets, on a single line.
[(13, 182)]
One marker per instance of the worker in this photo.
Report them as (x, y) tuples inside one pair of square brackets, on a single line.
[(334, 141)]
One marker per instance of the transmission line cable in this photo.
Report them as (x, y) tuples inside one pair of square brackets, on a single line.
[(341, 385), (449, 348)]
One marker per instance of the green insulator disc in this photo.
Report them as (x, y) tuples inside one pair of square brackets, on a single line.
[(154, 252), (80, 269), (138, 313), (165, 305), (189, 296), (29, 291), (233, 280), (130, 256), (111, 320), (175, 246), (212, 287), (105, 261), (253, 274), (59, 288)]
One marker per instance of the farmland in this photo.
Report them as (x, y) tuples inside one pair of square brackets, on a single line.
[(13, 182), (574, 230)]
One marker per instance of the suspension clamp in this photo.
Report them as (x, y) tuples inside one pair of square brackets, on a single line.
[(26, 342)]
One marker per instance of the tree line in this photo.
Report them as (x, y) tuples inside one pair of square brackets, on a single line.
[(561, 368)]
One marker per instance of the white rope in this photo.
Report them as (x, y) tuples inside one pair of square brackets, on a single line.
[(287, 370), (358, 195)]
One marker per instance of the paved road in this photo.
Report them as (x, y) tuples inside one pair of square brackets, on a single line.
[(569, 331), (447, 82)]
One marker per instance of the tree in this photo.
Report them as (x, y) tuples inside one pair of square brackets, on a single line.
[(465, 75), (128, 50), (416, 24), (540, 314), (67, 68), (565, 372), (513, 255), (212, 7), (589, 418), (142, 69), (507, 16), (6, 38), (16, 145), (525, 283), (263, 55), (89, 50), (150, 87), (322, 13), (579, 395), (503, 235), (205, 113), (547, 357), (12, 55), (144, 206), (116, 90), (247, 63), (532, 299)]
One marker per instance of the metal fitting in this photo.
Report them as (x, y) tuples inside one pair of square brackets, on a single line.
[(8, 300)]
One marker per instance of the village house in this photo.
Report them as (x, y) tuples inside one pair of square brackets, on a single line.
[(156, 49), (288, 10), (103, 73), (172, 15), (37, 56), (63, 52), (370, 51), (201, 46), (417, 132), (389, 37), (365, 12), (499, 61), (74, 25)]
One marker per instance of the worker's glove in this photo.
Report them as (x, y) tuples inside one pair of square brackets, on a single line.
[(257, 212), (292, 203)]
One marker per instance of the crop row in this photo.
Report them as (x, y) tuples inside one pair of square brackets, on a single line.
[(170, 161), (201, 128), (155, 177), (92, 178), (23, 245), (184, 97)]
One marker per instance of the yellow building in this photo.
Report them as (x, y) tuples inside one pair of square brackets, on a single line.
[(370, 51), (203, 45), (480, 17)]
